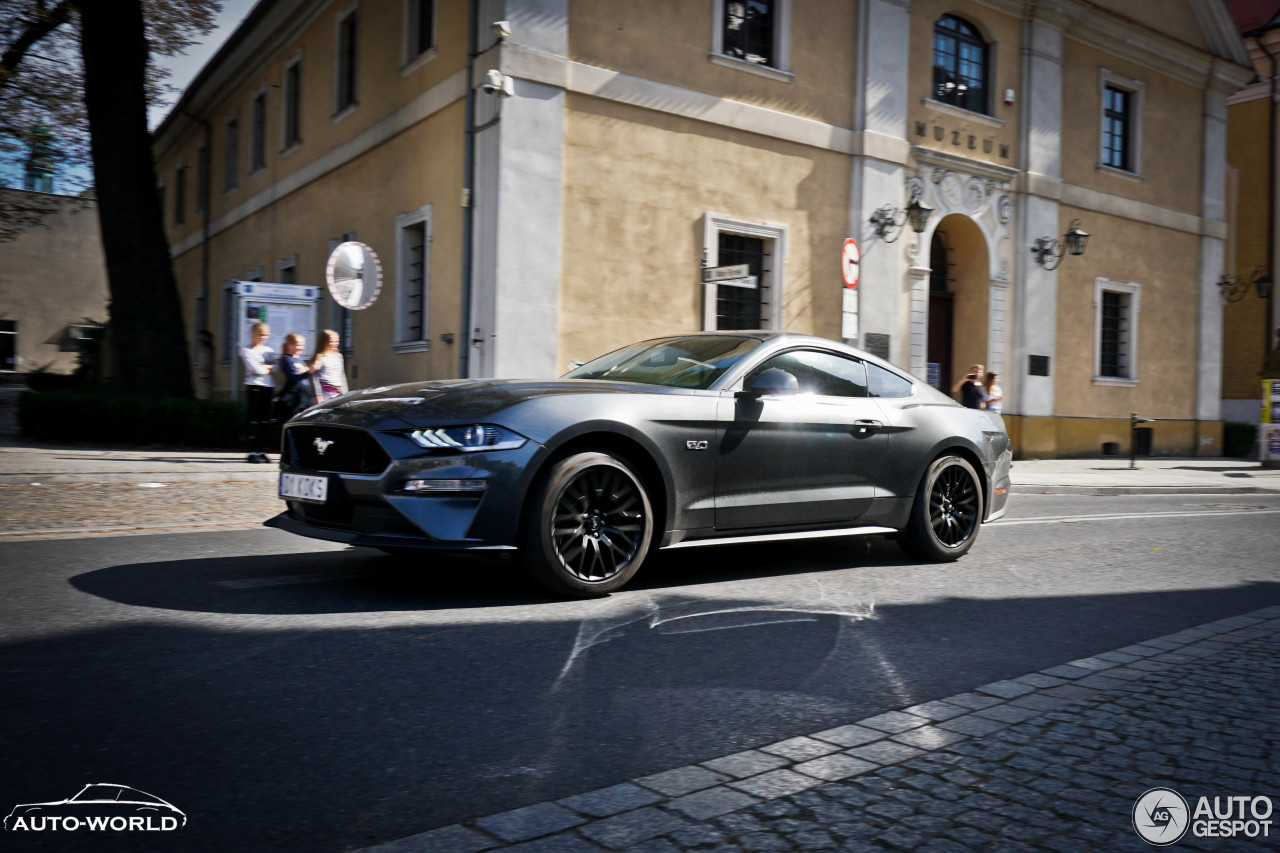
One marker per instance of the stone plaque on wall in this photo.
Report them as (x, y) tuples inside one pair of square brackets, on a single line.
[(877, 344), (1038, 365)]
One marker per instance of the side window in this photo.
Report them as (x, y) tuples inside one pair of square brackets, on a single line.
[(822, 373), (885, 383)]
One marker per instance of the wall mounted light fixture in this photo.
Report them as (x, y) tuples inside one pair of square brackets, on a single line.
[(1048, 251), (888, 220), (1234, 287)]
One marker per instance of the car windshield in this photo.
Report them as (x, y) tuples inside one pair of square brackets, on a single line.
[(99, 792), (693, 362)]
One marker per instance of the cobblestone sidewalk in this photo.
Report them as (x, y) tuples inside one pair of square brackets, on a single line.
[(64, 507), (1050, 761)]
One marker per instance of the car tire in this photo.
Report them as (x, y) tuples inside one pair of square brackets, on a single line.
[(587, 526), (947, 512)]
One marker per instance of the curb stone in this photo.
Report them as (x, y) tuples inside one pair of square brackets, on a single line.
[(663, 804)]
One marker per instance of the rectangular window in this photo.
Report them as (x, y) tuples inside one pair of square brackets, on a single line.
[(738, 300), (258, 127), (231, 165), (412, 277), (348, 39), (744, 288), (339, 318), (202, 178), (287, 270), (1113, 357), (748, 31), (420, 25), (1116, 126), (8, 345), (228, 321), (180, 195), (292, 128), (1116, 308)]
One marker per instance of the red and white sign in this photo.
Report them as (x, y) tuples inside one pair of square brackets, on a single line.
[(850, 263)]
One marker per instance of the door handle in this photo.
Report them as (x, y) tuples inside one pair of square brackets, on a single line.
[(863, 429)]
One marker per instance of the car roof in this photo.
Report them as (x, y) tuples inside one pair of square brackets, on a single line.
[(784, 338)]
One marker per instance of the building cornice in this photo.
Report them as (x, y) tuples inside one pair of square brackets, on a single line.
[(261, 35), (1086, 23)]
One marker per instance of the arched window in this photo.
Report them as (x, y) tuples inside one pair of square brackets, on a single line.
[(959, 64)]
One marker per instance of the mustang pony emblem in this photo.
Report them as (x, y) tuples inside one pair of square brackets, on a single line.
[(321, 445)]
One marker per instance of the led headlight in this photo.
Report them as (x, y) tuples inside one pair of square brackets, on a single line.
[(468, 485), (468, 439)]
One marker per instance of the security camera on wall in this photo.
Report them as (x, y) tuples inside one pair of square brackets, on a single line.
[(497, 83), (500, 29)]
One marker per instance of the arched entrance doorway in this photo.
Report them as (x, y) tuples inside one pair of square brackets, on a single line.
[(958, 300)]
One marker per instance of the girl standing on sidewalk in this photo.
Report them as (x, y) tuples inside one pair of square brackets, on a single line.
[(296, 394), (327, 364), (258, 361)]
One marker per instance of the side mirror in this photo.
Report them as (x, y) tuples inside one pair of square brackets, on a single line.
[(771, 383)]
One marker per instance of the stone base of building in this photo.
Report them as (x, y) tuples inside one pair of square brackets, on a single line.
[(1059, 437)]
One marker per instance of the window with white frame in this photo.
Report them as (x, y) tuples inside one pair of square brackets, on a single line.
[(419, 29), (1115, 358), (346, 49), (291, 125), (180, 194), (258, 132), (287, 270), (413, 247), (753, 35), (339, 318), (231, 161), (1120, 123), (202, 178), (743, 285), (8, 345)]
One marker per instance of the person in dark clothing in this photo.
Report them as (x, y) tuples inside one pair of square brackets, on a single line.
[(296, 393), (972, 392)]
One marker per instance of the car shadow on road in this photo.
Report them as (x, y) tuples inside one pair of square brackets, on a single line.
[(360, 580)]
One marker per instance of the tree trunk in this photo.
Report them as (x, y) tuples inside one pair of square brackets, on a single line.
[(148, 345)]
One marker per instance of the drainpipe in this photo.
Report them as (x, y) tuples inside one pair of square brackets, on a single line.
[(465, 333)]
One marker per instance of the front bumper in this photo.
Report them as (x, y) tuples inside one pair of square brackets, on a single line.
[(372, 509)]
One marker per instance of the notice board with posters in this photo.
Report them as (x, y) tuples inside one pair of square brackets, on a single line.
[(286, 308)]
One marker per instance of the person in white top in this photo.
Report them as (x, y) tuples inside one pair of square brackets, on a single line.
[(995, 394), (327, 364), (259, 360)]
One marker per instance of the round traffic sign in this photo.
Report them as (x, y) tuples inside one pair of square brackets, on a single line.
[(850, 258)]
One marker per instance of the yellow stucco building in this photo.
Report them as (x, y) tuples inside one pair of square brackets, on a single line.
[(1250, 322), (547, 188)]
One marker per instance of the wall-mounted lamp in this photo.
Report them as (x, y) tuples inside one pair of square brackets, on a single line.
[(1234, 288), (1049, 250), (888, 220)]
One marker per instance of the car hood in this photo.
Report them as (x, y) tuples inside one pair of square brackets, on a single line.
[(456, 399)]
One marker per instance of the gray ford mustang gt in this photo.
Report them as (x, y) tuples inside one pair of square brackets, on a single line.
[(693, 440)]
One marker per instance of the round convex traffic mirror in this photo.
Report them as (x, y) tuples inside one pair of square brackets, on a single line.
[(354, 275)]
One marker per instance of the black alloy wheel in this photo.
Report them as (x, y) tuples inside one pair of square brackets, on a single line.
[(947, 512), (588, 527), (953, 506)]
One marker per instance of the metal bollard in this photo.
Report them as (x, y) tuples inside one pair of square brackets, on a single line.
[(1134, 420)]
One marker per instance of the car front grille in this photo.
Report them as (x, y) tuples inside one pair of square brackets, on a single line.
[(328, 448)]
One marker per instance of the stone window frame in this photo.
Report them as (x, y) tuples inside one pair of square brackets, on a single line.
[(774, 234), (781, 70), (1137, 90), (1133, 291), (412, 59), (405, 221)]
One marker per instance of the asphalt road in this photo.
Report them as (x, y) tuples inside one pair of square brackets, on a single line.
[(290, 695)]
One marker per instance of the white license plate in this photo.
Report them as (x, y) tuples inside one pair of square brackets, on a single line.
[(300, 487)]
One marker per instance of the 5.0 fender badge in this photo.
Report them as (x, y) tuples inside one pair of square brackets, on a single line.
[(695, 445)]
